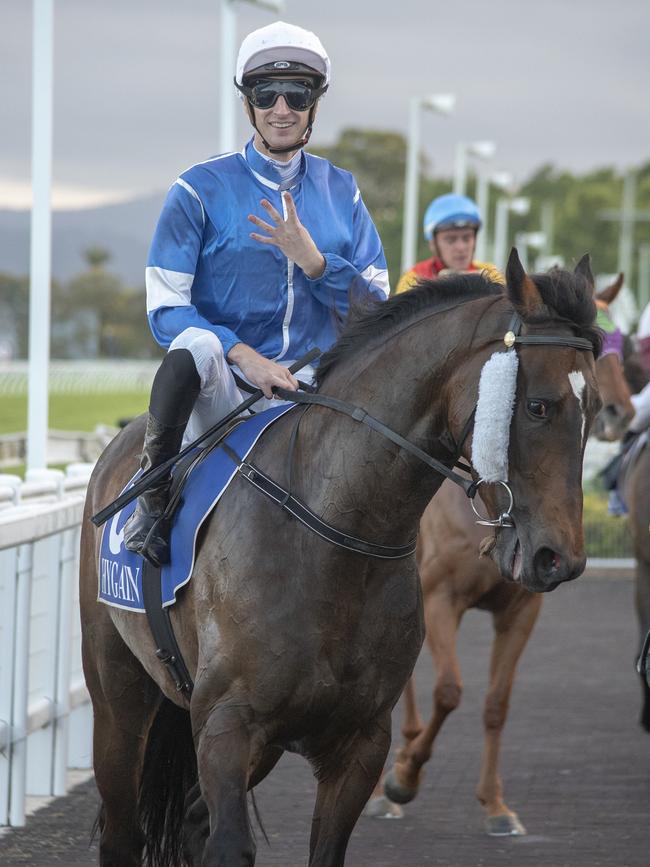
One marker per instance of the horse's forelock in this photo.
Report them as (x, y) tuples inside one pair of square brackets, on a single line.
[(569, 295)]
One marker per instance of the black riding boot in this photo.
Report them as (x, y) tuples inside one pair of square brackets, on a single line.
[(175, 388), (160, 444)]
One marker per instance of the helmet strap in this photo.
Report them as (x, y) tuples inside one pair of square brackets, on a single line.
[(296, 146)]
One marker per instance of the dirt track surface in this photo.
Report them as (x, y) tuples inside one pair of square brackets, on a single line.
[(575, 764)]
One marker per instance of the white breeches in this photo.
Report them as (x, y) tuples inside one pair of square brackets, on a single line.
[(219, 394)]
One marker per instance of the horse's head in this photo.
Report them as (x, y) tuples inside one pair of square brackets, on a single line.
[(613, 419), (555, 402)]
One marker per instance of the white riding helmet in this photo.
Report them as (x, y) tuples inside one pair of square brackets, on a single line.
[(280, 42)]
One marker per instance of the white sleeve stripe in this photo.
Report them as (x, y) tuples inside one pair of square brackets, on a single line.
[(357, 196), (378, 277), (192, 192), (167, 288)]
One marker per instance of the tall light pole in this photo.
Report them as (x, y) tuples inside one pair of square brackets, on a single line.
[(644, 276), (40, 266), (627, 217), (484, 150), (504, 181), (519, 205), (228, 46), (442, 103), (626, 238)]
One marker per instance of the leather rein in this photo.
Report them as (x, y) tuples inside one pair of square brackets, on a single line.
[(286, 500)]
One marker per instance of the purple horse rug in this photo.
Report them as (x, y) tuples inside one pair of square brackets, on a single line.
[(120, 572)]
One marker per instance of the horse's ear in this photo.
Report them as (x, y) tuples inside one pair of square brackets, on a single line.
[(610, 292), (583, 268), (521, 289)]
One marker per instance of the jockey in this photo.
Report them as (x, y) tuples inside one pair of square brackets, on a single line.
[(221, 297), (451, 223)]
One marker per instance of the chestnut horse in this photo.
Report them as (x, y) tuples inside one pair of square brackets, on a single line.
[(455, 578), (295, 643)]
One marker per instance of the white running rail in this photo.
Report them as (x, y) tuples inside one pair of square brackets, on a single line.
[(45, 714)]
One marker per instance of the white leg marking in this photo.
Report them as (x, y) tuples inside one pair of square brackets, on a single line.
[(577, 381)]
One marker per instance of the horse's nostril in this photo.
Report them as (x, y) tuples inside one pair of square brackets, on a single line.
[(547, 562), (611, 409)]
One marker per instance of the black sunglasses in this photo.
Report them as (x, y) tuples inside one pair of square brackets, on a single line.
[(264, 93)]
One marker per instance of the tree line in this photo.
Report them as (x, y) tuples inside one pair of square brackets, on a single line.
[(93, 315)]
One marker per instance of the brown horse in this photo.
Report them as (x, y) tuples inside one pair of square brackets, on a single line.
[(635, 491), (295, 643), (455, 578)]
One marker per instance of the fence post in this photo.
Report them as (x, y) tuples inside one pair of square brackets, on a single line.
[(20, 686), (8, 568)]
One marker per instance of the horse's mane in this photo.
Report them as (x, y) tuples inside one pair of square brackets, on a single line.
[(565, 294), (370, 319)]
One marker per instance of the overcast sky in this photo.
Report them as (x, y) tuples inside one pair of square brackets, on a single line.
[(136, 83)]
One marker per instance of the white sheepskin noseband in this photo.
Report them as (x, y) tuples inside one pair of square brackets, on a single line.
[(496, 399)]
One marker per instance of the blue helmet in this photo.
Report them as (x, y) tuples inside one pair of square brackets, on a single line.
[(450, 212)]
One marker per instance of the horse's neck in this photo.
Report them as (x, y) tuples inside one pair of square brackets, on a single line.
[(366, 485)]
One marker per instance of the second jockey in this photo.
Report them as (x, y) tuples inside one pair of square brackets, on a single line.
[(451, 223)]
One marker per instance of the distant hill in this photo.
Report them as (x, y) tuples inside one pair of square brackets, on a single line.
[(124, 229)]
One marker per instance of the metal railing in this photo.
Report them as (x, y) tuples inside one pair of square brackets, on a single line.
[(45, 714)]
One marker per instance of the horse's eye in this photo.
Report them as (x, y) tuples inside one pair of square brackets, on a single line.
[(537, 408)]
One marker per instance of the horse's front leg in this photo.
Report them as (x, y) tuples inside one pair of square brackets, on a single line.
[(513, 625), (225, 752), (196, 829), (346, 781)]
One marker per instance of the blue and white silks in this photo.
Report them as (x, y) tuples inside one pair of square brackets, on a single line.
[(205, 271)]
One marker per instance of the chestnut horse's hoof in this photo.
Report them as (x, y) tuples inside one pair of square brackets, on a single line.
[(395, 791), (382, 808), (505, 825)]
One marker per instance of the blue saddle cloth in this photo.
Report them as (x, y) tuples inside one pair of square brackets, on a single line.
[(120, 571)]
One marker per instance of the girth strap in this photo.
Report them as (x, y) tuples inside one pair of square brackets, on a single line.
[(167, 649)]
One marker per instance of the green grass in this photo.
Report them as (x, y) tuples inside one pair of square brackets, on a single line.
[(72, 412), (605, 535)]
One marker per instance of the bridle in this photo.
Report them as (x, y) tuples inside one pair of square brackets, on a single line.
[(283, 496)]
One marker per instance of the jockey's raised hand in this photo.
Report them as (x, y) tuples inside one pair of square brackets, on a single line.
[(260, 371), (290, 236)]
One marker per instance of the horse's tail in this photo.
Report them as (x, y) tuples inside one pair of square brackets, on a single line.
[(168, 773)]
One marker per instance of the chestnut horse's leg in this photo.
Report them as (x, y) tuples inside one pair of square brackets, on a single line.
[(124, 701), (442, 619), (379, 806), (513, 625), (346, 781)]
